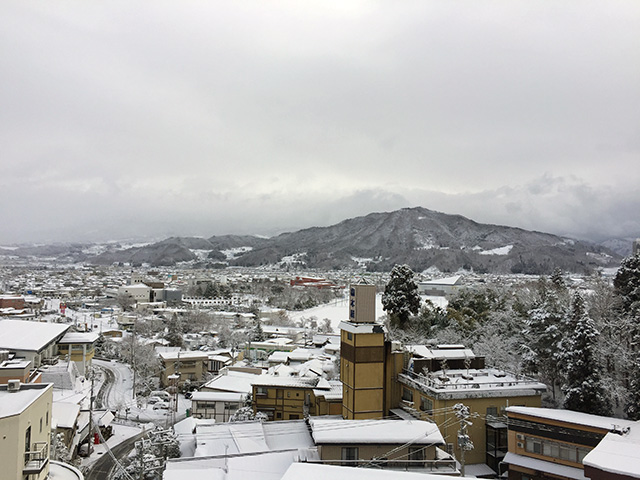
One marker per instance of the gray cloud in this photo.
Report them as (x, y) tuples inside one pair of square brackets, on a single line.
[(146, 118)]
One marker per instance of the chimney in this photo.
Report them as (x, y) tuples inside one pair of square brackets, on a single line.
[(13, 386)]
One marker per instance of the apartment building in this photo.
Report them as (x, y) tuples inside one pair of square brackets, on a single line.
[(293, 398), (547, 443), (25, 423)]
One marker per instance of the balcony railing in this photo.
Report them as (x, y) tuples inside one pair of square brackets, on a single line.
[(421, 381), (36, 459)]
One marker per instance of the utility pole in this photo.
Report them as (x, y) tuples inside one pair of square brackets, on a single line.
[(464, 441), (90, 414), (133, 366)]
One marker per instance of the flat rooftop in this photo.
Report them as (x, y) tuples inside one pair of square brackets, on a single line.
[(459, 384)]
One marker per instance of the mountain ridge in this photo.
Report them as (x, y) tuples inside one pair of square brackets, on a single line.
[(417, 236)]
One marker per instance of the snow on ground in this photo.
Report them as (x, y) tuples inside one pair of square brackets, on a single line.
[(121, 397), (338, 310), (201, 254), (232, 253), (120, 434), (497, 251)]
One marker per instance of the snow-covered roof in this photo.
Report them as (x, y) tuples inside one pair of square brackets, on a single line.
[(291, 382), (65, 414), (219, 358), (79, 337), (544, 466), (569, 416), (184, 355), (443, 281), (266, 466), (278, 357), (617, 453), (218, 396), (252, 437), (29, 336), (451, 352), (14, 403), (232, 382), (137, 286), (332, 429), (462, 383), (317, 471), (15, 364), (333, 393)]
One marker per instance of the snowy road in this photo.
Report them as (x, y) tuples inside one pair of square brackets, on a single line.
[(117, 394)]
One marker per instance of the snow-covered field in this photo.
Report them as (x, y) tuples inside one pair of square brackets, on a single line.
[(338, 310)]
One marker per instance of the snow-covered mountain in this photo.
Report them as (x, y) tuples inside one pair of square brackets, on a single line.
[(419, 237)]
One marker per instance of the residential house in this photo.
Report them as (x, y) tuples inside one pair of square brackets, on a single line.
[(292, 398), (232, 380), (25, 423), (65, 422), (192, 367), (219, 406), (405, 444)]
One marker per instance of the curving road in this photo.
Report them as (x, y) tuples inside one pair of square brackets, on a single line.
[(105, 466)]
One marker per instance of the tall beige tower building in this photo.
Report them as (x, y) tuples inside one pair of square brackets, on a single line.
[(362, 357)]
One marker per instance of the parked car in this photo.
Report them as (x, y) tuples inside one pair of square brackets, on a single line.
[(161, 405), (153, 399), (161, 394)]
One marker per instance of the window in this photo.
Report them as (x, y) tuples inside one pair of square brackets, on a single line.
[(27, 439), (549, 448), (40, 424), (426, 405), (349, 336), (349, 455), (278, 414), (293, 416), (533, 445), (407, 394), (262, 391), (279, 393), (492, 411), (416, 455)]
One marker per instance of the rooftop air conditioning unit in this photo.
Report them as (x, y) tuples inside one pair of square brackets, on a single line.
[(13, 386)]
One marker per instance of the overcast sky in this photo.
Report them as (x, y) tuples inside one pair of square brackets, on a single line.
[(151, 118)]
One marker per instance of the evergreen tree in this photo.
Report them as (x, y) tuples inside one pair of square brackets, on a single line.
[(211, 291), (257, 334), (627, 284), (400, 298), (543, 335), (583, 387), (627, 290)]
